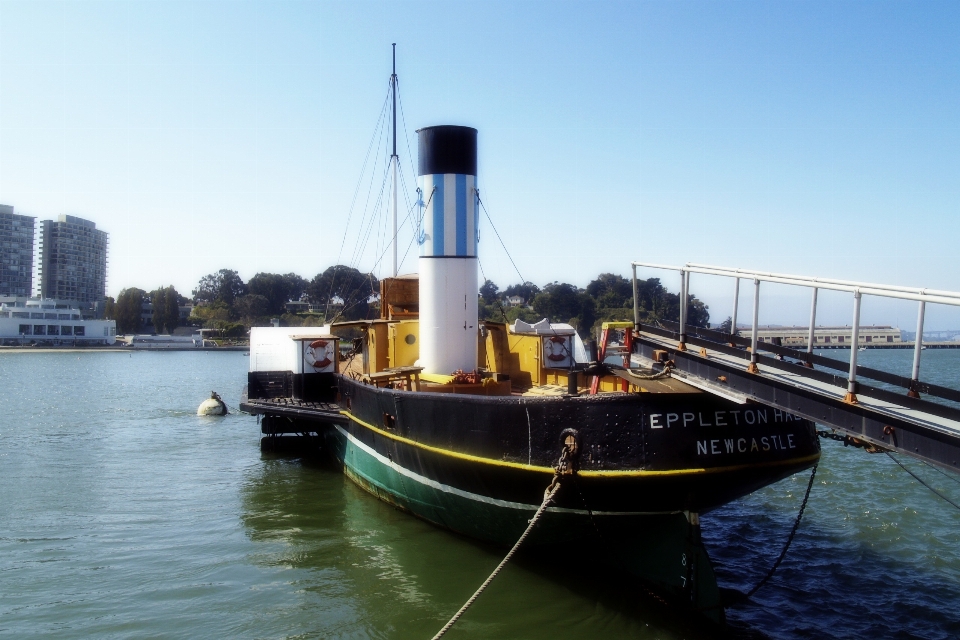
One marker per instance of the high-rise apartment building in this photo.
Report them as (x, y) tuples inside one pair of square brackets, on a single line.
[(16, 252), (73, 260)]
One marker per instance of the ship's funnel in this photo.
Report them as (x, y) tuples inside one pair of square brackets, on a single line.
[(448, 249)]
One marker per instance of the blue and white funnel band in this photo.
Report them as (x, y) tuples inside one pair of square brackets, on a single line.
[(450, 224)]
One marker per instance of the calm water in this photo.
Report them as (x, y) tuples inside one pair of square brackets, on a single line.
[(123, 514)]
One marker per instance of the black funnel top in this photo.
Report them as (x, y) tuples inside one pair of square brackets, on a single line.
[(448, 149)]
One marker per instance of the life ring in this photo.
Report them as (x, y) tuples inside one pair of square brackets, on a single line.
[(550, 347), (310, 354)]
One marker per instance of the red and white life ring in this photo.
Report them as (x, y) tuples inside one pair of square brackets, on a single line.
[(556, 349), (317, 354)]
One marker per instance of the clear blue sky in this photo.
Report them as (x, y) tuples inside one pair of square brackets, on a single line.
[(808, 137)]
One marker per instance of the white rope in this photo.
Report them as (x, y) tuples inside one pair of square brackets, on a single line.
[(547, 499)]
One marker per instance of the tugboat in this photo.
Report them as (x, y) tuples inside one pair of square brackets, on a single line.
[(465, 423)]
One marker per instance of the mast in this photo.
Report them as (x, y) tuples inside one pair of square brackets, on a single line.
[(394, 159)]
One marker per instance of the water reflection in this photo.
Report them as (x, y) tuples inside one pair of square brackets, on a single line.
[(401, 577)]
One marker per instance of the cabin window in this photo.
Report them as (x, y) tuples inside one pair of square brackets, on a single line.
[(53, 329), (24, 330), (66, 330), (79, 331), (840, 339), (889, 338), (39, 329), (826, 339), (869, 338)]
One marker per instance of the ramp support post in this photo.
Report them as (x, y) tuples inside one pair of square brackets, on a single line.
[(851, 396)]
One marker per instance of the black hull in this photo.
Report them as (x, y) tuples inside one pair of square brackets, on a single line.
[(505, 448)]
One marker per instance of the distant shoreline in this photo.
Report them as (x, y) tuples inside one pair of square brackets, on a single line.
[(114, 349)]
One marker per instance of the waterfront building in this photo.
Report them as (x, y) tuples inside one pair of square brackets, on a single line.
[(16, 252), (73, 260), (50, 322), (166, 342), (824, 337)]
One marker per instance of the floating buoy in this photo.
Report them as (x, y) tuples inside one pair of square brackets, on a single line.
[(213, 406)]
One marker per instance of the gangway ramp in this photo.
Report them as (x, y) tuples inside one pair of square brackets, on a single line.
[(892, 413)]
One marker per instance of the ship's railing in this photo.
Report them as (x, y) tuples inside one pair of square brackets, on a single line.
[(858, 289)]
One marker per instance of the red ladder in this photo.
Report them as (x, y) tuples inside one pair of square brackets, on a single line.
[(625, 349)]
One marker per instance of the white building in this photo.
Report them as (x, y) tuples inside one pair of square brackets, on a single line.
[(825, 337), (50, 322)]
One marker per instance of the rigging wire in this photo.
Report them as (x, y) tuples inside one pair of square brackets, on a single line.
[(368, 224), (407, 218), (388, 244), (416, 229), (406, 199), (406, 138), (371, 215), (492, 226), (360, 247), (363, 169), (941, 471), (378, 128), (499, 304), (918, 479)]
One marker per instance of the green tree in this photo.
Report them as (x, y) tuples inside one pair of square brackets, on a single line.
[(223, 286), (159, 300), (127, 310), (277, 289), (166, 309), (489, 291), (172, 308), (528, 291), (209, 314), (563, 302), (346, 288), (109, 308), (611, 290), (252, 308)]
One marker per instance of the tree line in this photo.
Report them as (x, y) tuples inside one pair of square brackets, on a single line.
[(608, 298), (127, 309), (223, 301)]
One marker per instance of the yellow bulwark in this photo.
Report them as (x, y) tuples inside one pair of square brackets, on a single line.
[(512, 363)]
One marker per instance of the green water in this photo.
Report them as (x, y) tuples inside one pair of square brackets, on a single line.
[(123, 514)]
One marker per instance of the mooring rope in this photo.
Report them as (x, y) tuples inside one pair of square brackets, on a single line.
[(793, 532), (565, 466), (918, 479), (652, 376), (547, 499)]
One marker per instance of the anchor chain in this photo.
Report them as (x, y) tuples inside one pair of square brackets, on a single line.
[(850, 441), (565, 467), (793, 532)]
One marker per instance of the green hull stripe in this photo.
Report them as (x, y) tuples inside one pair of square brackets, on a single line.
[(433, 484)]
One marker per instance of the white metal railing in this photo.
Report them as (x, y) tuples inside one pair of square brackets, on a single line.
[(858, 289)]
